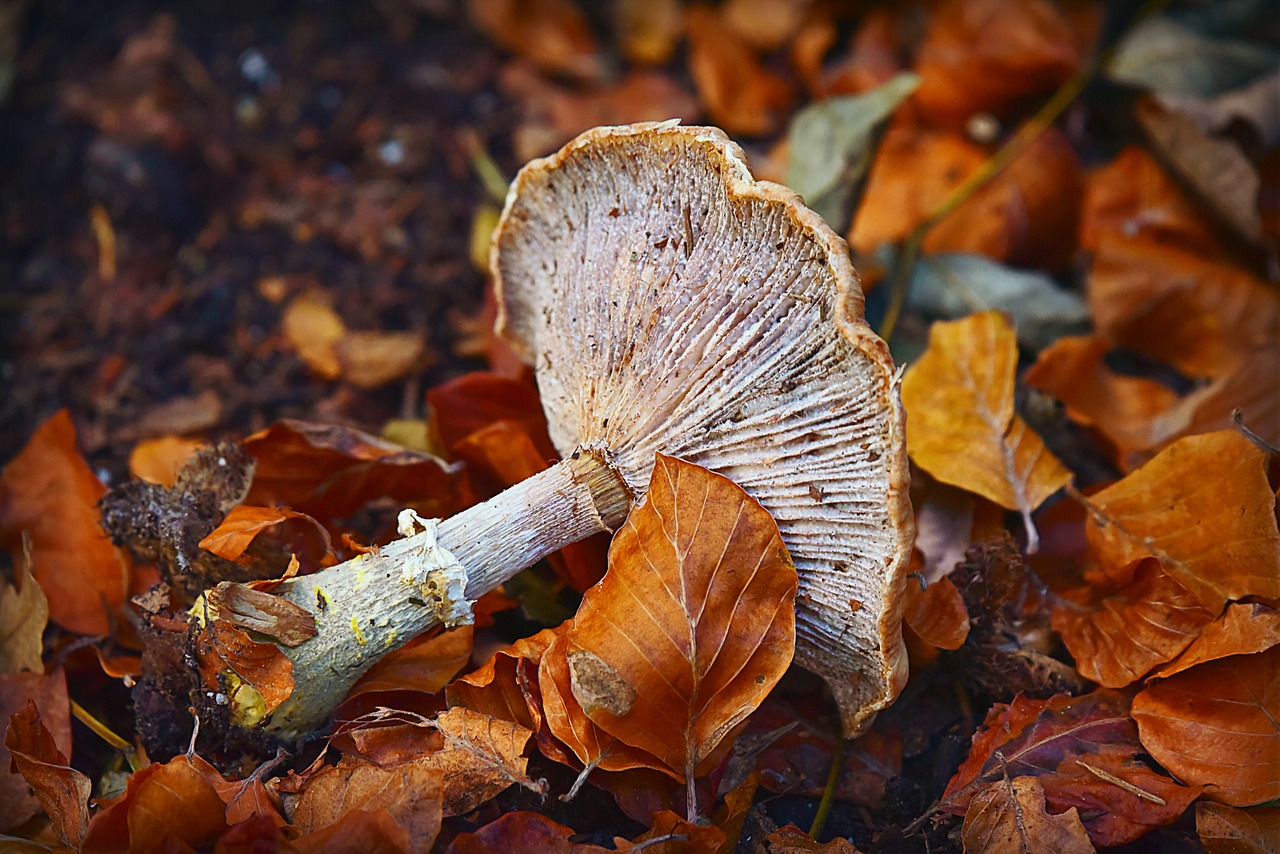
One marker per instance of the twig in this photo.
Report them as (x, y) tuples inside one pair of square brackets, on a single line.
[(105, 733), (1124, 784), (1237, 418), (829, 791)]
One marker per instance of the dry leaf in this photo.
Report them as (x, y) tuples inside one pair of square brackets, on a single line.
[(258, 611), (937, 613), (649, 29), (739, 93), (410, 793), (765, 25), (49, 491), (474, 401), (164, 808), (1203, 506), (790, 839), (1010, 815), (522, 831), (263, 674), (1242, 629), (480, 757), (494, 688), (62, 791), (314, 329), (694, 622), (49, 693), (425, 664), (1117, 635), (370, 359), (553, 34), (24, 613), (159, 460), (359, 832), (991, 56), (1226, 830), (959, 399), (304, 536), (1218, 725)]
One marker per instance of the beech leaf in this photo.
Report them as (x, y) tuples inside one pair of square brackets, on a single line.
[(410, 793), (243, 524), (480, 757), (165, 807), (24, 613), (49, 694), (1218, 725), (693, 623), (1243, 628), (62, 790), (1204, 508), (937, 614), (1227, 830), (959, 400), (1010, 815), (522, 831)]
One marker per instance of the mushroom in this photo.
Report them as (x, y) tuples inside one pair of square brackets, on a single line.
[(668, 303)]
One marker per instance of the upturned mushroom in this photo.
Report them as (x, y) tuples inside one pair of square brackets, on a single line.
[(668, 302)]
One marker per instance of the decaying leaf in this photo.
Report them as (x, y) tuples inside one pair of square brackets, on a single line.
[(1203, 506), (49, 694), (693, 623), (410, 793), (258, 611), (255, 678), (1085, 752), (289, 531), (738, 92), (313, 328), (937, 613), (480, 756), (165, 807), (24, 613), (522, 831), (1218, 725), (63, 792), (1226, 830), (494, 687), (1243, 628), (553, 34), (48, 491), (1010, 815), (425, 664), (964, 431)]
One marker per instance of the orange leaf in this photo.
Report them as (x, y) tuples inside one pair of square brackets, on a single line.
[(1203, 506), (1242, 629), (739, 93), (49, 491), (959, 400), (159, 460), (313, 328), (49, 693), (480, 757), (494, 687), (359, 832), (164, 808), (225, 651), (1218, 725), (1226, 830), (240, 527), (522, 831), (410, 793), (62, 790), (790, 839), (937, 613), (424, 664), (694, 622), (553, 34), (1010, 815), (1116, 636), (473, 401)]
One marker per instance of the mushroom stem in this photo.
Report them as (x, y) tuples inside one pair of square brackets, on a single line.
[(364, 608)]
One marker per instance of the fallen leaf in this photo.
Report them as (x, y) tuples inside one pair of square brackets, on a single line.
[(692, 625), (1010, 815), (1117, 635), (24, 613), (1256, 104), (181, 415), (250, 799), (648, 30), (671, 834), (48, 491), (1218, 725), (159, 460), (553, 34), (521, 831), (314, 329), (874, 56), (425, 664), (494, 688), (480, 757), (1057, 741), (329, 472), (304, 536), (49, 694), (1204, 508), (166, 806), (765, 25), (255, 677), (370, 359), (409, 793), (1249, 387), (1170, 56), (738, 92), (474, 401), (959, 397), (790, 839), (937, 613), (1243, 628), (258, 611), (359, 832), (62, 791), (1227, 830)]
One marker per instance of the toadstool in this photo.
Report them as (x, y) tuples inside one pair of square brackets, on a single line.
[(668, 302)]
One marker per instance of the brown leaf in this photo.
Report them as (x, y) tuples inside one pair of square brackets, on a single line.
[(24, 613), (1203, 506), (164, 807), (649, 29), (359, 832), (790, 839), (181, 415), (63, 792), (959, 397), (937, 613), (1117, 635), (474, 401), (1010, 815), (1226, 830), (49, 491), (261, 612), (235, 534), (370, 359), (480, 757), (671, 834), (329, 472), (49, 694), (248, 799), (765, 25), (494, 688), (1058, 740), (694, 622), (1218, 725), (159, 460), (739, 93), (553, 34), (1242, 629), (256, 677), (991, 56), (313, 328), (410, 793), (425, 664), (521, 831)]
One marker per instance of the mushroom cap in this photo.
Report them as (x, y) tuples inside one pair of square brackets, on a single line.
[(671, 303)]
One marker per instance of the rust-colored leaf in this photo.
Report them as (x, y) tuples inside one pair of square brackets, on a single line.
[(165, 807), (494, 688), (410, 793), (62, 791), (552, 34), (49, 694), (24, 613), (359, 832), (474, 401), (1242, 629), (739, 93), (991, 56), (237, 531), (480, 757), (964, 431), (1059, 741), (1218, 725), (1116, 636), (790, 839), (521, 831), (248, 799), (424, 664), (258, 611), (1010, 815), (48, 491), (937, 613), (159, 460), (1204, 508), (1227, 830), (257, 677), (329, 472), (694, 622)]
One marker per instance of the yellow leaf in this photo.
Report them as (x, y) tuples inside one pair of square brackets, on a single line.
[(314, 329)]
